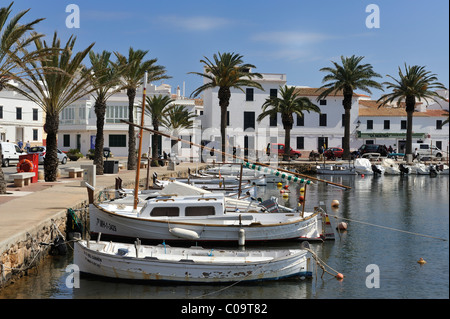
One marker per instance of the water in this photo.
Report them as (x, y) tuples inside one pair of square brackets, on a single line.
[(414, 204)]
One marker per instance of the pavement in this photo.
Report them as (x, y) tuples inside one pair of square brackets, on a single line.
[(24, 209)]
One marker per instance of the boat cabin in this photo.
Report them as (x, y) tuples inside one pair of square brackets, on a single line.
[(184, 206)]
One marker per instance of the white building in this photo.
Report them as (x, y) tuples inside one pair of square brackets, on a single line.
[(77, 129), (20, 119)]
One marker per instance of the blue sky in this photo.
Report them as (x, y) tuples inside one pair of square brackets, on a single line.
[(297, 38)]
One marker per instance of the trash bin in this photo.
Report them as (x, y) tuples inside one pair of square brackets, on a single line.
[(110, 167), (34, 158)]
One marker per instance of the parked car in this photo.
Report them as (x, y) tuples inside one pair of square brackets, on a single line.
[(41, 150), (424, 149), (9, 153), (333, 153), (373, 148), (277, 148)]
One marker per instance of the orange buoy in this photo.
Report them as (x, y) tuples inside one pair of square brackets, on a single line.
[(362, 175), (301, 199), (342, 226), (286, 186), (339, 276), (421, 261), (335, 203)]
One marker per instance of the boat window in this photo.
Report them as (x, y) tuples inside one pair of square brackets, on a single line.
[(199, 211), (165, 211)]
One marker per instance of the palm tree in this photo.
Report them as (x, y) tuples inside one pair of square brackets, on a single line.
[(55, 83), (347, 78), (415, 83), (105, 78), (132, 78), (227, 71), (157, 107), (287, 105), (444, 114), (178, 118), (14, 38)]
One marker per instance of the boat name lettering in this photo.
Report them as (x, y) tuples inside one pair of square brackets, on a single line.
[(91, 259), (106, 225)]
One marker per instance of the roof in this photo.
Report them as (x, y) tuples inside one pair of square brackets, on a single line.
[(370, 108), (307, 91)]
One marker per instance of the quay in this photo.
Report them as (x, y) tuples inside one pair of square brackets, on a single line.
[(33, 216)]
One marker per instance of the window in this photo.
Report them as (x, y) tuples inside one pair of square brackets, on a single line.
[(249, 94), (273, 120), (343, 120), (438, 124), (165, 211), (300, 120), (323, 102), (370, 124), (322, 120), (35, 134), (300, 142), (186, 138), (35, 114), (116, 113), (117, 140), (249, 120), (273, 92), (18, 113), (228, 118), (387, 124), (66, 140), (403, 125), (1, 111), (200, 211)]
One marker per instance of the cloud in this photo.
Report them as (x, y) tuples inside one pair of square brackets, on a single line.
[(195, 23)]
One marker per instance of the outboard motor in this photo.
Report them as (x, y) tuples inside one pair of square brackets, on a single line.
[(433, 171), (375, 169), (403, 169)]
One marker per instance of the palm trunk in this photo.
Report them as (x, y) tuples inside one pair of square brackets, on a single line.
[(2, 179), (288, 122), (155, 162), (224, 100), (347, 108), (131, 135), (51, 155), (100, 110), (410, 104)]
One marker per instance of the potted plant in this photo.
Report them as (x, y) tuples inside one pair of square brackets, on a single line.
[(90, 154), (74, 154)]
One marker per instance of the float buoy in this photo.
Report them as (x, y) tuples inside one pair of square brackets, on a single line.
[(339, 276), (362, 175), (334, 203), (342, 226), (25, 165), (286, 186), (301, 199), (421, 261), (302, 190)]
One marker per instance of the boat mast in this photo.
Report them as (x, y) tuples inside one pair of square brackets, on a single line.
[(141, 131)]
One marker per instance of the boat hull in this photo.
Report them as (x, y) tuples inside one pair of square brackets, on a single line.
[(168, 265), (256, 227)]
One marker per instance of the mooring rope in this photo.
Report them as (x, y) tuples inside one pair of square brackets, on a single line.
[(389, 228)]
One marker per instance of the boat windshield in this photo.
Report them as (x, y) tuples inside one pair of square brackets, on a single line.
[(199, 210)]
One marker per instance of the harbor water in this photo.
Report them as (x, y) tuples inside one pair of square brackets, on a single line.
[(393, 221)]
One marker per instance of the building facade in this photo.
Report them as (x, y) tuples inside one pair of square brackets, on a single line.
[(20, 119)]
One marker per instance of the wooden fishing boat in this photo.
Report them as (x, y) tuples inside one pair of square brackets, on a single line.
[(335, 169), (189, 265), (205, 216)]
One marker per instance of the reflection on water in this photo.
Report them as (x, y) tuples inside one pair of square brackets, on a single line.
[(415, 204)]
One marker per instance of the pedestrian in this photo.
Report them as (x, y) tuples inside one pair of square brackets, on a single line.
[(416, 154), (27, 146), (20, 144)]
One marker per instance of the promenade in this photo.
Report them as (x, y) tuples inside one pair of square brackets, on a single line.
[(26, 211)]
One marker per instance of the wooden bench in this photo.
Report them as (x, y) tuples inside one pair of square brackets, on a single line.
[(75, 172), (22, 179)]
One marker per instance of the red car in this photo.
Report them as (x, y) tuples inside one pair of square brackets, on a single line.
[(333, 152), (277, 148)]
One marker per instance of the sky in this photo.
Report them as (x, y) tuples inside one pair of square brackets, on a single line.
[(296, 38)]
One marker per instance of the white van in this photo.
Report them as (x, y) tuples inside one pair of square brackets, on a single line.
[(424, 149), (9, 153)]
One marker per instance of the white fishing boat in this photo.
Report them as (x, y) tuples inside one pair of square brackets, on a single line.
[(205, 217), (390, 167), (189, 265), (364, 166), (336, 169)]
